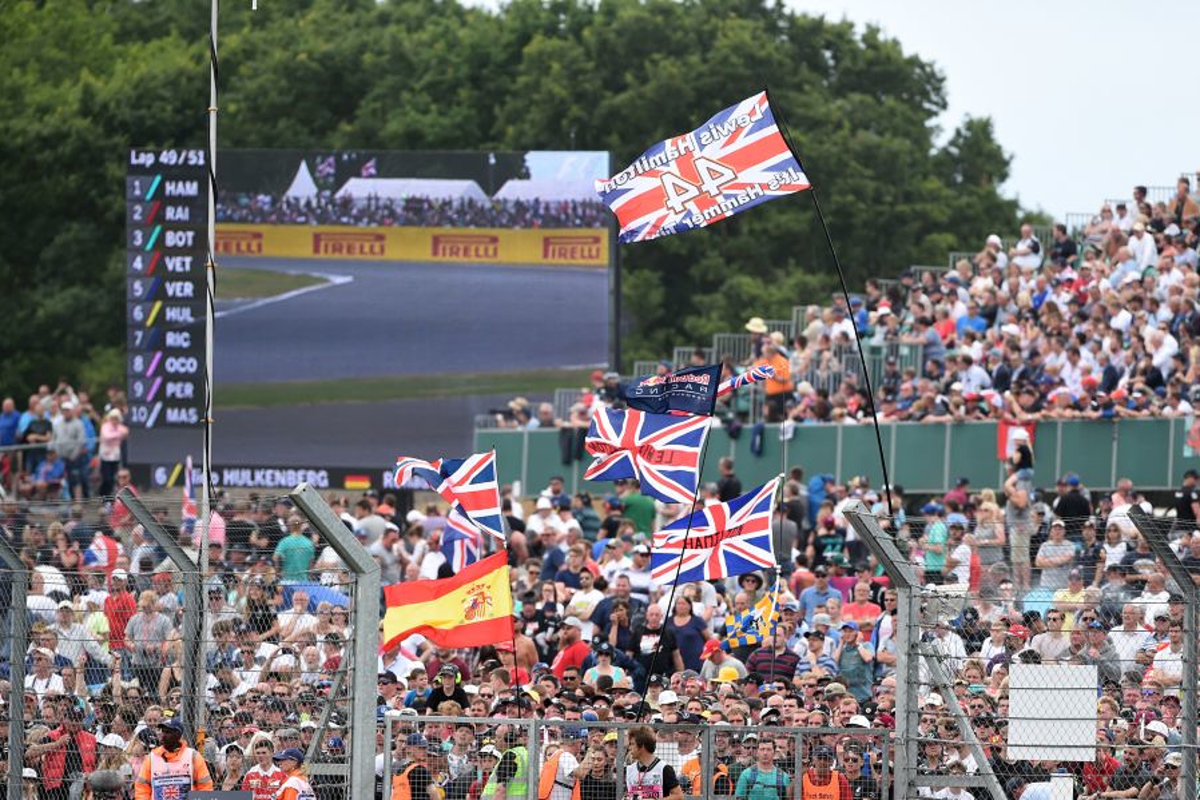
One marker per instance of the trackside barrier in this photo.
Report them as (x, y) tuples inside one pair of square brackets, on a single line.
[(921, 457)]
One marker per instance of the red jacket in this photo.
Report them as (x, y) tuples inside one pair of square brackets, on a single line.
[(119, 608), (54, 763)]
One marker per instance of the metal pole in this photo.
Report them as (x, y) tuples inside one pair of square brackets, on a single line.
[(364, 652), (614, 290), (1156, 531), (904, 581), (18, 582), (210, 276), (193, 687)]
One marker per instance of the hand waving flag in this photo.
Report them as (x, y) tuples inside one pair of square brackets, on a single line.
[(661, 451), (733, 162), (467, 484), (719, 541)]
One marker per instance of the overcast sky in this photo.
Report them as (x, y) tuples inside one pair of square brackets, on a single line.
[(1089, 98)]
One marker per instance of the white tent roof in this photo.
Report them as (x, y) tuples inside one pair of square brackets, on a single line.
[(303, 186), (400, 188), (575, 189)]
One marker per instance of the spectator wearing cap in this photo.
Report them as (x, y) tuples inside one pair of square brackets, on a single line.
[(572, 650), (119, 607), (816, 595), (1099, 651), (1071, 504), (1055, 557), (448, 687), (855, 660), (717, 661), (820, 778), (604, 667), (295, 786), (1072, 598), (415, 781), (172, 766)]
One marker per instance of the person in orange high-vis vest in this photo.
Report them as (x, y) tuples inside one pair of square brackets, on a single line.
[(559, 778), (779, 388), (296, 787), (823, 782), (172, 770)]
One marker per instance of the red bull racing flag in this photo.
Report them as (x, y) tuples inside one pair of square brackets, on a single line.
[(733, 162)]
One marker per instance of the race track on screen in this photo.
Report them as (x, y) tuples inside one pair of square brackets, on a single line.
[(407, 318)]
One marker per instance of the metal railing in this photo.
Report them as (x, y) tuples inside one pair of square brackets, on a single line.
[(682, 356)]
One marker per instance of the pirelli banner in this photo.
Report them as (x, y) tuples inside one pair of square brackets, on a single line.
[(557, 247)]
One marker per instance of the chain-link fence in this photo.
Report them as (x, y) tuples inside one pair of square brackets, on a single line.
[(1035, 649), (533, 756), (120, 649)]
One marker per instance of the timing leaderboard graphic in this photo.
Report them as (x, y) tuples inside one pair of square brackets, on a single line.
[(166, 215)]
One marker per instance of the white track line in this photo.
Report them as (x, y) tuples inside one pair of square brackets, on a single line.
[(330, 281)]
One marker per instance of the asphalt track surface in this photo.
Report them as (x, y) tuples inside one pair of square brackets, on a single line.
[(358, 435), (404, 318)]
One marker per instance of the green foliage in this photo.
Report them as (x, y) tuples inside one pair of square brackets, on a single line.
[(82, 82)]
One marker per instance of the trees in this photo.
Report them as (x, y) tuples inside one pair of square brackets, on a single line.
[(562, 74)]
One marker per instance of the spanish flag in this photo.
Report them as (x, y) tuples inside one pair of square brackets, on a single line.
[(471, 609)]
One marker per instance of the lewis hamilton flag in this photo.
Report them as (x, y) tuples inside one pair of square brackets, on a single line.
[(734, 161)]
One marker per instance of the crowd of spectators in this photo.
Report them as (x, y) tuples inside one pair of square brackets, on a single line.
[(327, 209), (61, 445), (1057, 578), (1022, 576), (1100, 328)]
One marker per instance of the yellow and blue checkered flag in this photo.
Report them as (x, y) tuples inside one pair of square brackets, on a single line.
[(749, 629)]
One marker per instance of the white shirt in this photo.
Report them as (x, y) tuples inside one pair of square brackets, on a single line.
[(1164, 353), (1030, 260), (584, 603), (40, 686), (1168, 662), (567, 764), (1128, 644), (1143, 250), (1154, 604)]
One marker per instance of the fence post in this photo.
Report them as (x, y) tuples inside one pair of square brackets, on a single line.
[(904, 581), (17, 641), (365, 651), (990, 782), (1156, 531), (908, 656), (193, 688)]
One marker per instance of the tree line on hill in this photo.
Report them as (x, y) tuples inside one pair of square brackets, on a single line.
[(84, 81)]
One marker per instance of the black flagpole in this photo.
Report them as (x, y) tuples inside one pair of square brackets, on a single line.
[(862, 359)]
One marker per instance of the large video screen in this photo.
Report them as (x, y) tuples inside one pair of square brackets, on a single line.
[(364, 264), (368, 302)]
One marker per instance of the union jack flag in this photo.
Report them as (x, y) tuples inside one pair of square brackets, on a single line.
[(187, 509), (369, 169), (733, 162), (662, 451), (719, 541), (326, 167), (469, 485), (461, 540), (752, 375)]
